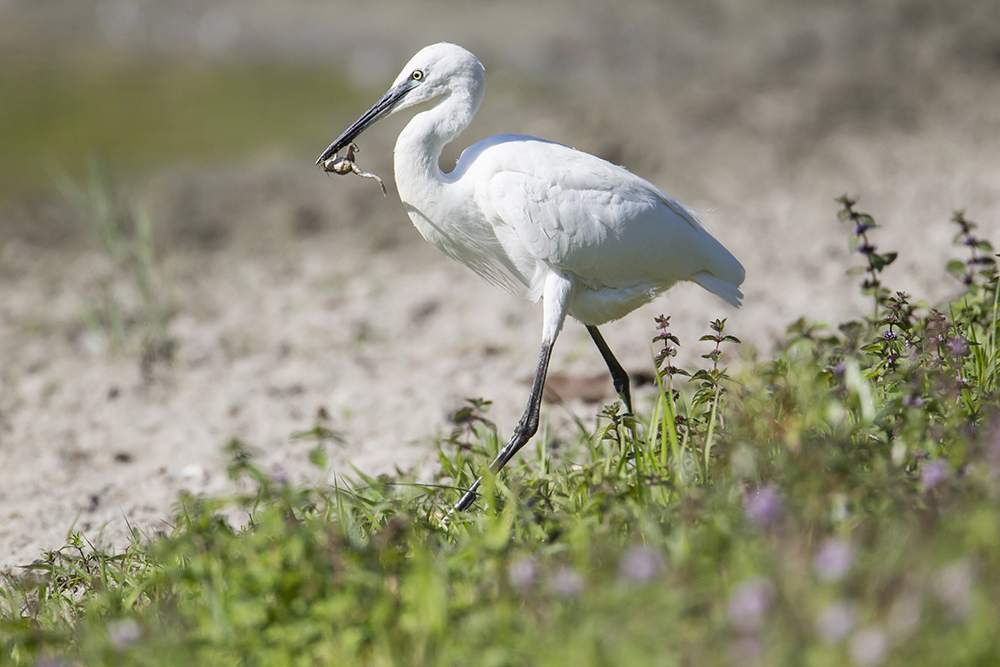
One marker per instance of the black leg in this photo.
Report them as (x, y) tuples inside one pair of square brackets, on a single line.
[(618, 374), (524, 430)]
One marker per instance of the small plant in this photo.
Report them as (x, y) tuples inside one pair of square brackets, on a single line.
[(701, 410), (862, 223), (896, 339), (977, 268), (710, 389), (665, 416), (125, 235)]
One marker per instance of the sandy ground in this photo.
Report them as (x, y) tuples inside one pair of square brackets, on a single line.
[(292, 293)]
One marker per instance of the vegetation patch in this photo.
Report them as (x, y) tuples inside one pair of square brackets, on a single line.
[(143, 116), (835, 504)]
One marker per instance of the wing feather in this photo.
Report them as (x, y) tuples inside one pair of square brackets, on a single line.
[(578, 213)]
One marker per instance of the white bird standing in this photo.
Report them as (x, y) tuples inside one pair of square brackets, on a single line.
[(591, 239)]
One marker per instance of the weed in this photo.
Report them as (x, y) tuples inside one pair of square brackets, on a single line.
[(125, 236), (862, 223)]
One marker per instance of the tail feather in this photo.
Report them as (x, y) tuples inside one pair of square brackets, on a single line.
[(726, 291)]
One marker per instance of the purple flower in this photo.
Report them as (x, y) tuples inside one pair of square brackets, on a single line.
[(48, 661), (957, 347), (762, 506), (835, 621), (124, 633), (833, 559), (640, 565), (868, 647), (566, 582), (904, 615), (934, 472), (522, 573), (749, 604), (279, 475), (745, 650), (953, 585)]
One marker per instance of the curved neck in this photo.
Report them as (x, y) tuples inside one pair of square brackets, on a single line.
[(419, 145)]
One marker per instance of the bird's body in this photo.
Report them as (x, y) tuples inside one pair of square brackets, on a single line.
[(530, 207), (590, 238)]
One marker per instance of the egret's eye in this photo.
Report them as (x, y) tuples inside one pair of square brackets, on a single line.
[(417, 75)]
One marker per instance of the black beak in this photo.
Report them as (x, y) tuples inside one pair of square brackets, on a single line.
[(380, 109)]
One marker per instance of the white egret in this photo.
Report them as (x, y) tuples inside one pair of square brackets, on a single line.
[(589, 238)]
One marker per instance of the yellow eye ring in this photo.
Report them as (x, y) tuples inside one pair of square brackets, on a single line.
[(417, 75)]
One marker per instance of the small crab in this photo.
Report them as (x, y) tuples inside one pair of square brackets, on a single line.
[(346, 165)]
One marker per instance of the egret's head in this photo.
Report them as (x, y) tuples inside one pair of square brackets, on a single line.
[(436, 70)]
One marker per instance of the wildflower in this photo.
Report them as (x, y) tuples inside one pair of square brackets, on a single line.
[(762, 506), (953, 586), (639, 565), (868, 647), (279, 475), (904, 615), (749, 604), (566, 582), (124, 633), (833, 559), (745, 650), (50, 662), (934, 472), (835, 621), (522, 573), (958, 347)]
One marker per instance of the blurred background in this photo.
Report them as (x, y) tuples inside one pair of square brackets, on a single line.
[(175, 272)]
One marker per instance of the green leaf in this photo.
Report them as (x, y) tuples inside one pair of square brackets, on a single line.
[(318, 456), (956, 267), (879, 262)]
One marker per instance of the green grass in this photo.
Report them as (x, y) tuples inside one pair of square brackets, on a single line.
[(144, 115), (835, 504)]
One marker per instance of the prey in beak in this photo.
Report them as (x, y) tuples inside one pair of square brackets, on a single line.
[(333, 164), (346, 165)]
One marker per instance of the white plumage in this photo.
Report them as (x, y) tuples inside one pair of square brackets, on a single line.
[(590, 238)]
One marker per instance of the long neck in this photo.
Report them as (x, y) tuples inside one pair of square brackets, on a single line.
[(418, 149)]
